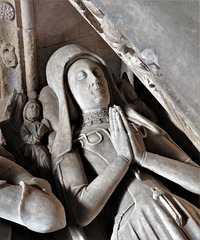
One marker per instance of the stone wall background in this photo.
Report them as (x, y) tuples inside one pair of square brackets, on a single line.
[(171, 29), (57, 24)]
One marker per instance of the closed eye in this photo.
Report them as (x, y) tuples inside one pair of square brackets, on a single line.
[(81, 75)]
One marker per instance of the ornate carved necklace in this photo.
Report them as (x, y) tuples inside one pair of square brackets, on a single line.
[(97, 117)]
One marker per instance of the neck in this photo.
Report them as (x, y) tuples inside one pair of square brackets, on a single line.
[(95, 117), (94, 110), (32, 119)]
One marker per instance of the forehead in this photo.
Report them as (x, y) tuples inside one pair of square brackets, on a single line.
[(33, 103), (82, 64)]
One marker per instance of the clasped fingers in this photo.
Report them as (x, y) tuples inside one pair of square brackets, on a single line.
[(137, 149), (119, 135)]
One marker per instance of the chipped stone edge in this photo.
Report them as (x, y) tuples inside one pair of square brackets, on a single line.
[(149, 74)]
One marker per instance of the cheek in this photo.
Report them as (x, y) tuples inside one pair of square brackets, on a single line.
[(77, 89), (28, 113), (38, 111), (79, 92)]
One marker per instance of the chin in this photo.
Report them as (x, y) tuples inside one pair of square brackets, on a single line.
[(100, 100)]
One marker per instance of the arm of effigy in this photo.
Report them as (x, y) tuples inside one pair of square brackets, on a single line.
[(87, 199), (171, 162)]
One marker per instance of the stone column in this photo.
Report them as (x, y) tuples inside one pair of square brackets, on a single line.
[(29, 44)]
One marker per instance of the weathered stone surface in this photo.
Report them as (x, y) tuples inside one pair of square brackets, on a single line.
[(171, 29), (7, 11), (151, 59)]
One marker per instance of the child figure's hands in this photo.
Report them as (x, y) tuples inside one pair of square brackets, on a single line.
[(44, 128)]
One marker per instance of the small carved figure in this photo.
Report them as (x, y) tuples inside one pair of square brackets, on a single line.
[(33, 131), (108, 158), (8, 56), (8, 59)]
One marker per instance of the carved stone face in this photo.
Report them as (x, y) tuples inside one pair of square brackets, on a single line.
[(88, 85), (33, 111), (7, 53)]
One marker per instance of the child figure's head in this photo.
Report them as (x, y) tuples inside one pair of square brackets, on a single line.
[(33, 109)]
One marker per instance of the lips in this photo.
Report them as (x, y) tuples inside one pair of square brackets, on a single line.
[(34, 113), (98, 90)]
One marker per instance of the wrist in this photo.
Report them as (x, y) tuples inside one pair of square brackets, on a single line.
[(125, 159), (142, 159)]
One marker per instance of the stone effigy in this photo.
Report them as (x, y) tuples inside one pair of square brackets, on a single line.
[(107, 158)]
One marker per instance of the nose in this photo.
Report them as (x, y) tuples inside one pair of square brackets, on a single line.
[(94, 79), (35, 108)]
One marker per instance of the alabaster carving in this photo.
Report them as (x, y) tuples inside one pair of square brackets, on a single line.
[(106, 158), (8, 59), (33, 131), (7, 11), (8, 56), (24, 199)]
